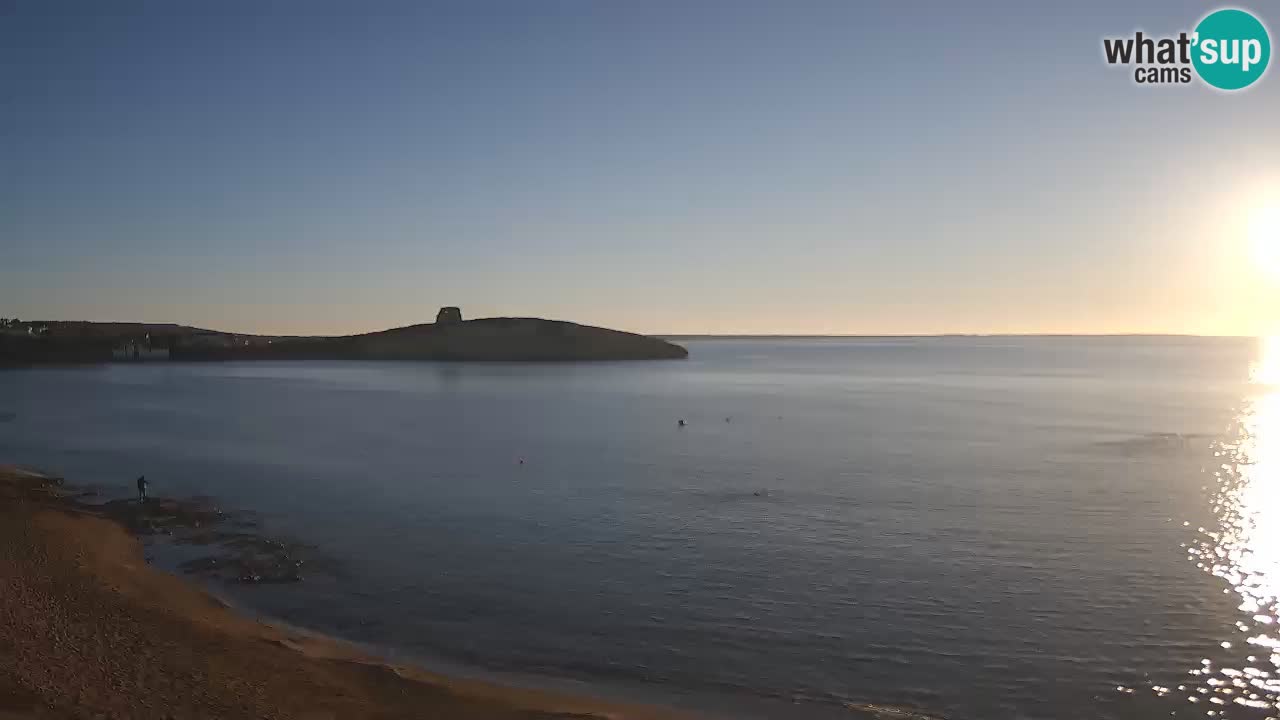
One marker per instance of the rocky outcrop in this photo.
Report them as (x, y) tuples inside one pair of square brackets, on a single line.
[(529, 339), (448, 316), (512, 339)]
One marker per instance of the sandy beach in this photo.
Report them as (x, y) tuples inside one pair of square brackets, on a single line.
[(89, 630)]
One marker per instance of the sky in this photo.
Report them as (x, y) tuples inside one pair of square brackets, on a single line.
[(689, 167)]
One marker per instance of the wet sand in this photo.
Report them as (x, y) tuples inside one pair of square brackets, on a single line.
[(89, 630)]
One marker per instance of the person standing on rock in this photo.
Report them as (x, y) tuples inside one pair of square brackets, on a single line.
[(142, 488)]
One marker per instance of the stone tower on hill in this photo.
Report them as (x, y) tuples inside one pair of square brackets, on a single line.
[(448, 316)]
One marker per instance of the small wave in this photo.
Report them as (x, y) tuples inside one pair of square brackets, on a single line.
[(891, 712)]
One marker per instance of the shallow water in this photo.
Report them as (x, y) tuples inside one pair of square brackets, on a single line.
[(973, 527)]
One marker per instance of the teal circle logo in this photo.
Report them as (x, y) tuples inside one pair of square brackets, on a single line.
[(1232, 49)]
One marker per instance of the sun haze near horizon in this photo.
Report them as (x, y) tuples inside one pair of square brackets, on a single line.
[(812, 168)]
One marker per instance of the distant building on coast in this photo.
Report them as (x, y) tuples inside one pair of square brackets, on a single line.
[(17, 327)]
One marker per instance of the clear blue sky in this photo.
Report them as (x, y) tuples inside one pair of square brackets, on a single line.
[(783, 167)]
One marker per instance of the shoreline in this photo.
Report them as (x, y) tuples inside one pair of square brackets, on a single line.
[(449, 338), (90, 628)]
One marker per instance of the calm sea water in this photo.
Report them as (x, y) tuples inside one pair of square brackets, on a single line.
[(972, 527)]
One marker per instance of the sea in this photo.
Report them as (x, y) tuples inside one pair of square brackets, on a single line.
[(971, 528)]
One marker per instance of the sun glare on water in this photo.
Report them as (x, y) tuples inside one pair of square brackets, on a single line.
[(1264, 238), (1266, 372), (1244, 551)]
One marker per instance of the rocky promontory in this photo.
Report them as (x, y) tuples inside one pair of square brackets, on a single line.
[(526, 339)]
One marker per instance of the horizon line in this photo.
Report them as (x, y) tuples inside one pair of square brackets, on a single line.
[(784, 336), (720, 336)]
